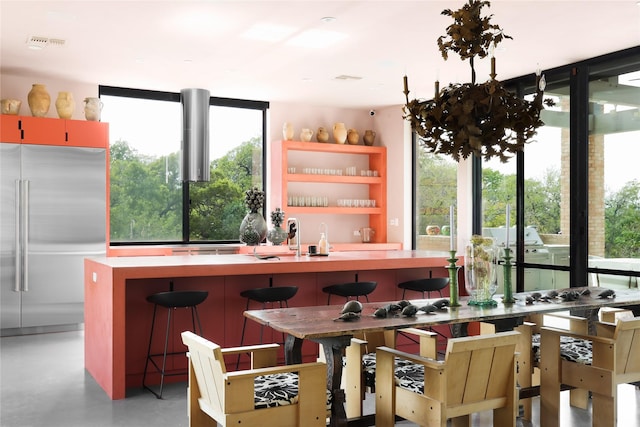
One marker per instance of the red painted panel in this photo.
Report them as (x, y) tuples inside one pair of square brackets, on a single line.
[(10, 129), (81, 133), (42, 131)]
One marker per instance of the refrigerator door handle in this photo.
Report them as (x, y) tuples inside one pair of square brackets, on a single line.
[(18, 258), (25, 234)]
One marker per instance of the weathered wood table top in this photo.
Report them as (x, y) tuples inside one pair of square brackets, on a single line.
[(319, 321)]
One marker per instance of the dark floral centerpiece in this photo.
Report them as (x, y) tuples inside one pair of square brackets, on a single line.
[(482, 119), (277, 234), (253, 228)]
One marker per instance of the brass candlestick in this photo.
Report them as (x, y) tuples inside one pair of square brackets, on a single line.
[(508, 288), (453, 279)]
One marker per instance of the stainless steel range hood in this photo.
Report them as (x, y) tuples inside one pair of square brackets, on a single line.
[(195, 134)]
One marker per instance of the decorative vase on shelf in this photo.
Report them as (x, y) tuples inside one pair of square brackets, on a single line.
[(277, 235), (65, 105), (253, 228), (369, 137), (480, 260), (339, 133), (306, 134), (287, 131), (92, 109), (39, 100), (322, 135), (11, 106), (353, 137)]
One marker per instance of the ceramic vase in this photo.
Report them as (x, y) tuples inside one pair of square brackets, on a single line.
[(92, 109), (369, 137), (339, 133), (39, 100), (11, 106), (305, 135), (65, 105), (480, 260), (253, 229), (322, 135), (353, 137), (277, 235), (287, 131)]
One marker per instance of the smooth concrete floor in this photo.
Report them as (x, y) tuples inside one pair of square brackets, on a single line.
[(43, 384)]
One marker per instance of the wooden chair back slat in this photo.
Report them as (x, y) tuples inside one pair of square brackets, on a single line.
[(627, 337), (499, 377), (457, 378), (209, 368)]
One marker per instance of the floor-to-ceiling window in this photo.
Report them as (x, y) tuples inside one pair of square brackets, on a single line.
[(150, 203), (614, 175)]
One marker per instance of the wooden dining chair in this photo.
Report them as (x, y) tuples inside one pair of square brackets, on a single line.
[(528, 349), (571, 348), (478, 374), (360, 362), (615, 349), (265, 395)]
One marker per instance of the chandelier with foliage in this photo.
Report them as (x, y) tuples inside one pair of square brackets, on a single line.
[(482, 119)]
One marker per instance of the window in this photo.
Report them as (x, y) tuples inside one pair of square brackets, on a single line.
[(435, 191), (614, 178), (149, 201)]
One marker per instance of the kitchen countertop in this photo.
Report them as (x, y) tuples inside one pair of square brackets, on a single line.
[(233, 264)]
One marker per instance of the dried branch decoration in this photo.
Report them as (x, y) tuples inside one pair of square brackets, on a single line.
[(481, 119)]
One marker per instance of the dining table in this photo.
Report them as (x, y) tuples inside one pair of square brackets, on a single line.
[(322, 324)]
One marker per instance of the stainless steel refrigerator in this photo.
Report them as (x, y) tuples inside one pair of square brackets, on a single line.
[(52, 216)]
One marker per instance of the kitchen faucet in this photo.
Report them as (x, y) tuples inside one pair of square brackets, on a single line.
[(293, 232)]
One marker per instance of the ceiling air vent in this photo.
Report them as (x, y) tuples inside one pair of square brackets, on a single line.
[(39, 42), (57, 42)]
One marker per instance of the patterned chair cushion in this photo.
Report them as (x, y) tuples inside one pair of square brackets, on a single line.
[(408, 374), (572, 349), (278, 390)]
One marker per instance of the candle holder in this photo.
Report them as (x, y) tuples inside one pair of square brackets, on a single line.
[(453, 279), (508, 288)]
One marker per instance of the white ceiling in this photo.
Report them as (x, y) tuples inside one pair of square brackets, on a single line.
[(171, 45)]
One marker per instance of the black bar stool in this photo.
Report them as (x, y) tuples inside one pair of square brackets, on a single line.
[(171, 300), (433, 284), (349, 290), (270, 295)]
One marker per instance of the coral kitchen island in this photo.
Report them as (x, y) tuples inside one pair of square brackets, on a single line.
[(118, 317)]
